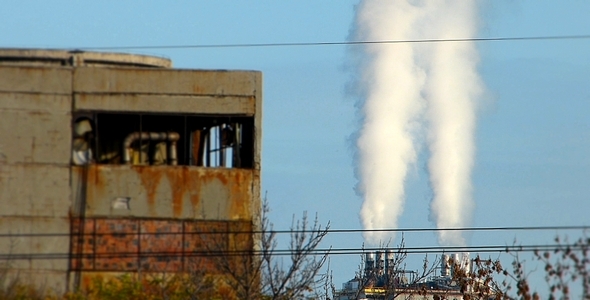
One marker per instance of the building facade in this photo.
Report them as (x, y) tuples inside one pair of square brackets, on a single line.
[(114, 163)]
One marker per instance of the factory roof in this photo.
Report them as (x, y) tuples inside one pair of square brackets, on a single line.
[(52, 57)]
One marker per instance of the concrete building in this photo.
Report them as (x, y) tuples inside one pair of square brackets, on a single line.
[(115, 163)]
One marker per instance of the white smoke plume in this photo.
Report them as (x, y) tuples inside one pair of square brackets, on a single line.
[(452, 90), (409, 87)]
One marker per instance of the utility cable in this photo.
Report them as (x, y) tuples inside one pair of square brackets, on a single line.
[(343, 43), (126, 253), (311, 230)]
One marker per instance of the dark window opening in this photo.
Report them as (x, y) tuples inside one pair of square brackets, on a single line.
[(153, 139)]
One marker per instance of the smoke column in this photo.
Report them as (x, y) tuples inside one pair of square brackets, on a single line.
[(453, 86), (393, 102), (408, 88)]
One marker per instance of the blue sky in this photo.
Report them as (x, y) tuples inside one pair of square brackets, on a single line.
[(533, 134)]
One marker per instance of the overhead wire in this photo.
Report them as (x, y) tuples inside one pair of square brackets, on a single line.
[(165, 236), (77, 236), (288, 252), (340, 43), (311, 230)]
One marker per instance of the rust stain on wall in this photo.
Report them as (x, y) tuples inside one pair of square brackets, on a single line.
[(194, 186), (197, 89), (150, 179), (92, 173), (180, 181), (94, 176), (81, 96), (180, 196), (238, 183), (223, 176), (94, 184), (241, 194)]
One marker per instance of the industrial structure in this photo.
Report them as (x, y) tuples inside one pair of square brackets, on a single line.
[(114, 163), (384, 279)]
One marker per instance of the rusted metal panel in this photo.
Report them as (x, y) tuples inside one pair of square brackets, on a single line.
[(118, 249), (162, 241), (202, 240), (34, 190), (149, 245), (165, 191), (227, 105), (165, 81), (240, 236), (83, 244), (55, 80)]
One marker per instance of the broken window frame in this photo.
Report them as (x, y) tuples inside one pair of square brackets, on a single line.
[(191, 140)]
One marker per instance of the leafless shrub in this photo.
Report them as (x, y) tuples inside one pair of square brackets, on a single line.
[(564, 265), (258, 271)]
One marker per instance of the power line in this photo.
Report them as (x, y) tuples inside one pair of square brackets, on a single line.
[(287, 252), (504, 228), (343, 43)]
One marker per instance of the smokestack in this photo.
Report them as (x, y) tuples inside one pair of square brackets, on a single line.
[(369, 263), (466, 262), (408, 88), (457, 260), (389, 260), (380, 261), (445, 266), (462, 261)]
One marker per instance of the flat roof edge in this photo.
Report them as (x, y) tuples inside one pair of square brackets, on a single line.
[(12, 56)]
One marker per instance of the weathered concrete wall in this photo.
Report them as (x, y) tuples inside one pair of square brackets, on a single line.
[(222, 194), (165, 81), (230, 105), (35, 118), (43, 80), (180, 192)]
